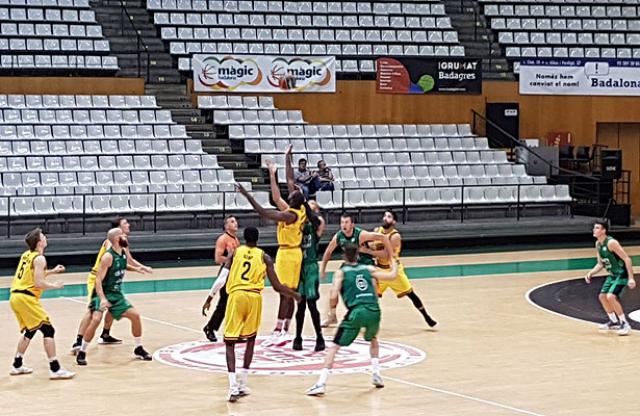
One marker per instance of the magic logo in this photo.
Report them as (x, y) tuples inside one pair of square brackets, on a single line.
[(229, 73), (298, 74)]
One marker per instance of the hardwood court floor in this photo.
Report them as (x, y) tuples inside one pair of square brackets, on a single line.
[(495, 354)]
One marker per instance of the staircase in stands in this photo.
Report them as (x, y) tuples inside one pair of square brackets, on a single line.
[(164, 81), (478, 40)]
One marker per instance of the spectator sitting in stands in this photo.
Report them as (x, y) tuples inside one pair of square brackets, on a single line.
[(305, 178), (325, 177)]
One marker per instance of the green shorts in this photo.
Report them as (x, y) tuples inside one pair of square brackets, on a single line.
[(309, 281), (119, 304), (358, 318), (614, 285)]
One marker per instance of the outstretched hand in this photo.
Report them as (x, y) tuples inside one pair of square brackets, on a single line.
[(288, 150), (271, 166), (241, 189)]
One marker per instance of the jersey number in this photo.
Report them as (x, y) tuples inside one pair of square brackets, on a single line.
[(22, 268), (247, 266)]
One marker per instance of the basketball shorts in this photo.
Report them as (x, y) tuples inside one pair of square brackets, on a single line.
[(614, 285), (400, 285), (119, 304), (310, 281), (288, 266), (358, 318), (28, 311), (243, 315), (91, 285)]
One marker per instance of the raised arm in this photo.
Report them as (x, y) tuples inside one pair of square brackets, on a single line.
[(369, 236), (327, 256), (275, 282), (599, 266), (615, 246), (275, 188), (320, 228), (40, 274), (105, 262), (313, 218), (288, 168), (287, 217)]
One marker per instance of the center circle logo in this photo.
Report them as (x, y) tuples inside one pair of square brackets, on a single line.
[(283, 360)]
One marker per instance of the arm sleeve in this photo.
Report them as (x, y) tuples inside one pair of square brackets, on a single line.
[(220, 281)]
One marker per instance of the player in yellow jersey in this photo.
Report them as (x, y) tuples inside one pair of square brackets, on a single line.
[(105, 337), (400, 285), (245, 271), (26, 288), (291, 217)]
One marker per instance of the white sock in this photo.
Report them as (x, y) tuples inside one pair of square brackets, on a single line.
[(52, 359), (375, 365), (244, 373), (612, 317), (19, 355), (85, 346), (324, 375), (623, 318), (232, 379), (138, 341)]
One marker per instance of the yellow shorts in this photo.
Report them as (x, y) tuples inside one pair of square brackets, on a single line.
[(91, 285), (29, 312), (243, 315), (288, 266), (400, 285)]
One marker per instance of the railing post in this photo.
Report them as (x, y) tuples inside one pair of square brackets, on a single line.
[(138, 53), (342, 200), (462, 203), (405, 209), (155, 212), (84, 214), (224, 205), (518, 204), (9, 217)]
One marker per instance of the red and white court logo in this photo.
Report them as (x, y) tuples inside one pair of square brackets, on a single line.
[(283, 360)]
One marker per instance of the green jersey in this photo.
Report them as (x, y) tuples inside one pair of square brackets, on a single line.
[(310, 242), (112, 281), (614, 264), (358, 287), (343, 240)]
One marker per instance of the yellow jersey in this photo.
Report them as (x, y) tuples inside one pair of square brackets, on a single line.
[(248, 270), (385, 263), (94, 270), (24, 279), (290, 235)]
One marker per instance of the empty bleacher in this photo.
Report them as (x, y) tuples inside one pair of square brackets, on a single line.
[(104, 154), (52, 35), (355, 32)]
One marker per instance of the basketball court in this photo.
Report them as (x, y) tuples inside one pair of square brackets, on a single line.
[(496, 353)]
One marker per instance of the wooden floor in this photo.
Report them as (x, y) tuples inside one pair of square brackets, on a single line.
[(495, 354)]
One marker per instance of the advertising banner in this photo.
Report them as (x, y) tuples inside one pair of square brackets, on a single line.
[(263, 73), (429, 76)]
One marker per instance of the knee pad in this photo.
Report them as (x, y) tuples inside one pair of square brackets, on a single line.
[(47, 330), (29, 334)]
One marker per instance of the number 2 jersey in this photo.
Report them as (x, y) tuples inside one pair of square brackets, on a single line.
[(248, 270)]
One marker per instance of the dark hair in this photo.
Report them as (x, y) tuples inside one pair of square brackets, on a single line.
[(351, 253), (33, 238), (321, 161), (297, 199), (393, 215), (251, 235), (350, 216), (302, 160), (116, 222), (604, 223)]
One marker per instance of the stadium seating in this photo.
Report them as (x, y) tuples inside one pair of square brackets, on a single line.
[(570, 29), (103, 154), (355, 32), (52, 35)]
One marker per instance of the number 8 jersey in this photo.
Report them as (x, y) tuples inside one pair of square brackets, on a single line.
[(248, 270)]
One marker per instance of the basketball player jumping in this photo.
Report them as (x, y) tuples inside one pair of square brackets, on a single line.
[(613, 258)]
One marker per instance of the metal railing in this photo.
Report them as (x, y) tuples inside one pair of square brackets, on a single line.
[(226, 205), (126, 20)]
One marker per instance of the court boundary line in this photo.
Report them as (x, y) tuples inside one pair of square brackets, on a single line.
[(527, 296), (463, 396), (386, 377)]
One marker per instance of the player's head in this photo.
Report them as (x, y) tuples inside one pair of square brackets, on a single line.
[(36, 240), (122, 223), (389, 219), (347, 223), (314, 206), (295, 199), (231, 224), (117, 238), (251, 235), (600, 228), (351, 253), (302, 164)]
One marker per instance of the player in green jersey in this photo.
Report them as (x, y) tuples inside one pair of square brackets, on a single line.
[(613, 258), (108, 295), (348, 234), (356, 283)]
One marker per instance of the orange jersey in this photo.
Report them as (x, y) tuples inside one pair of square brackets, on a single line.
[(226, 244)]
